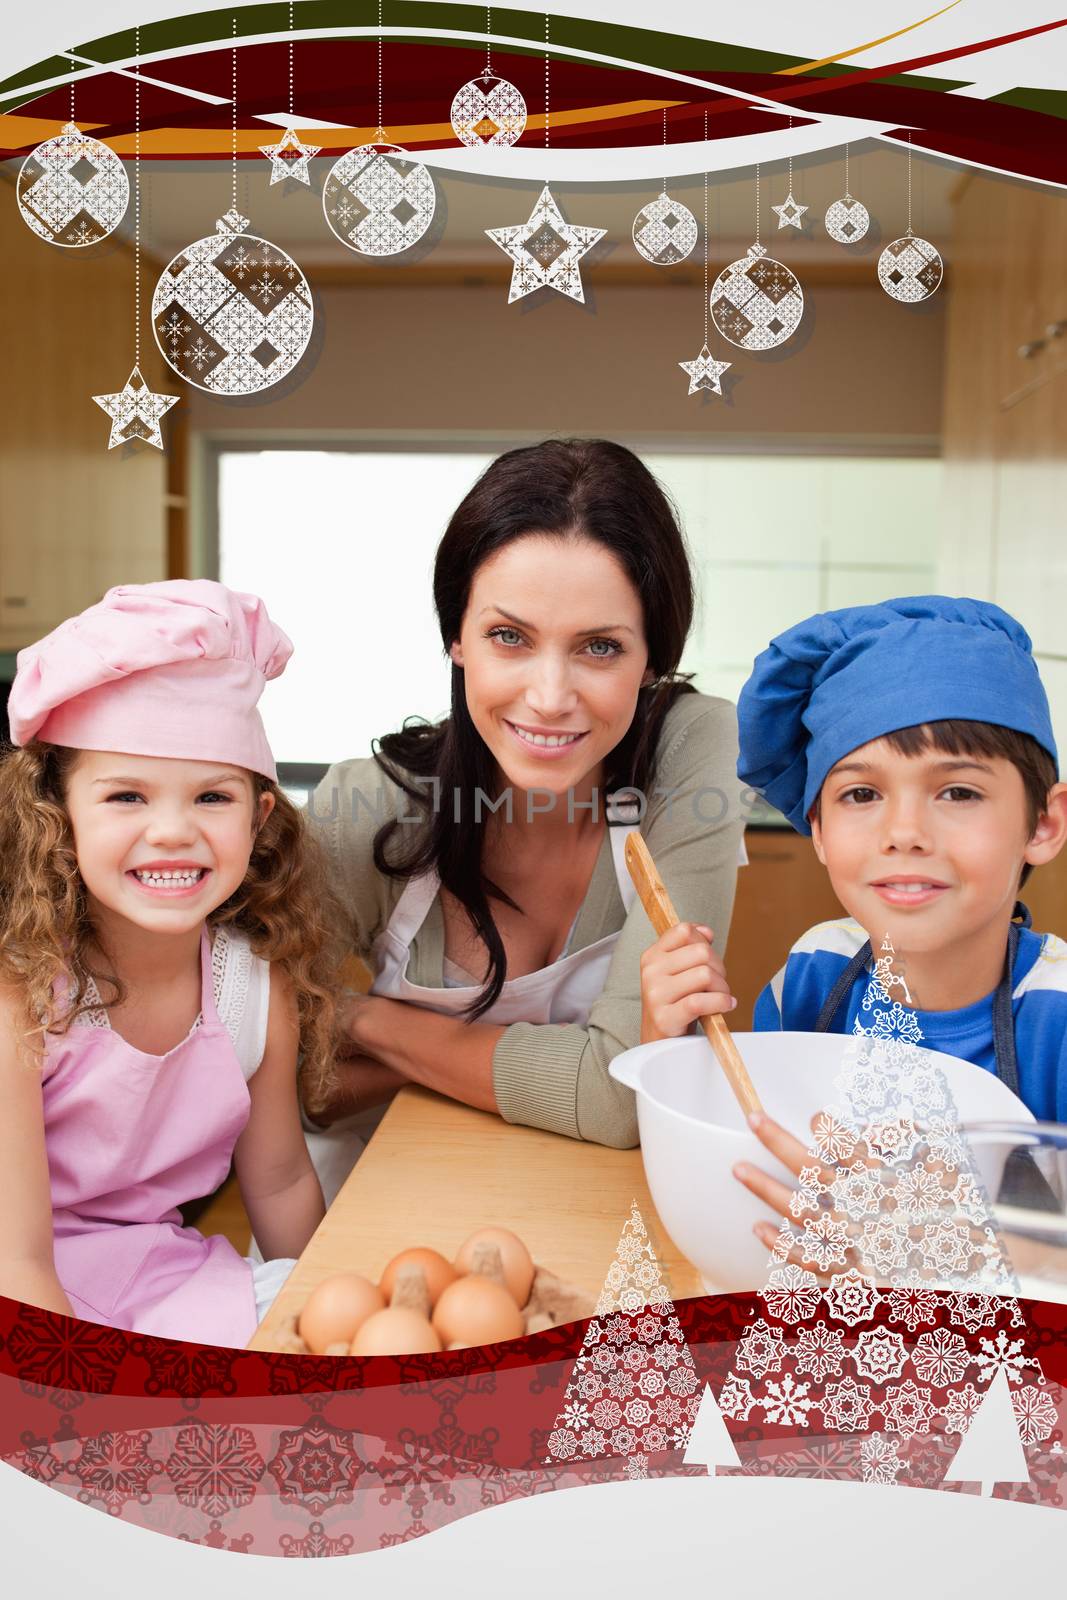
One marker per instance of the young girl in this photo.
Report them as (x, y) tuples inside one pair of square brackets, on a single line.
[(164, 948)]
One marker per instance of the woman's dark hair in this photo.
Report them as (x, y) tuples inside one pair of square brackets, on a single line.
[(578, 488)]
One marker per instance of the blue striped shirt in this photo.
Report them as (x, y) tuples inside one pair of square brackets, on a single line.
[(795, 995)]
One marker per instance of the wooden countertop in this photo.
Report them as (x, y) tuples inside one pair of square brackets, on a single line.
[(436, 1170)]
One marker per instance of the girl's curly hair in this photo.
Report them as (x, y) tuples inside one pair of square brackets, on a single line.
[(284, 905)]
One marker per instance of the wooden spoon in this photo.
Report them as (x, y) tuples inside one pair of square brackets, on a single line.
[(662, 915)]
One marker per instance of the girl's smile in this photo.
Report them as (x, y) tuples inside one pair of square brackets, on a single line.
[(160, 841)]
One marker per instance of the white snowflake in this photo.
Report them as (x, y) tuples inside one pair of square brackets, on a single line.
[(912, 1304), (946, 1248), (851, 1298), (879, 1354), (941, 1358), (907, 1409), (805, 1196), (786, 1402), (820, 1350), (1034, 1413), (919, 1194), (834, 1140), (893, 1140), (857, 1190), (736, 1398), (880, 1460), (970, 1308), (999, 1353), (761, 1350), (792, 1294), (960, 1407), (885, 1246), (825, 1241), (847, 1406)]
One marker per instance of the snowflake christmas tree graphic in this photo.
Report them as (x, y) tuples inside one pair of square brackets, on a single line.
[(634, 1390), (890, 1306)]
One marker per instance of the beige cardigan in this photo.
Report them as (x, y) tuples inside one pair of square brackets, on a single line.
[(555, 1075)]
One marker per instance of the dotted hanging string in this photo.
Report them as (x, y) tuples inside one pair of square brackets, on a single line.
[(379, 132), (71, 60), (137, 201), (848, 191), (790, 157), (488, 32), (664, 148), (757, 202), (290, 61), (909, 182), (233, 101), (706, 299), (546, 83)]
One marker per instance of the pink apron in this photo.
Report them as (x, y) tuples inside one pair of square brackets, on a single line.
[(130, 1137)]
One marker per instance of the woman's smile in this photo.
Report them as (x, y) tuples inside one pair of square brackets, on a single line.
[(546, 744), (553, 653)]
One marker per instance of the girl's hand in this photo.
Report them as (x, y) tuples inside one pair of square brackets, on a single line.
[(681, 979)]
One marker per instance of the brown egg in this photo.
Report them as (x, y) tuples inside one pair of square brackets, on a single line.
[(396, 1331), (335, 1308), (474, 1311), (439, 1272), (515, 1259)]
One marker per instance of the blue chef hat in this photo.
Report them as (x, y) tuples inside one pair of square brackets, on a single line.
[(843, 678)]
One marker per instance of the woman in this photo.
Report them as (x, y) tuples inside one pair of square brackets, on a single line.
[(480, 859)]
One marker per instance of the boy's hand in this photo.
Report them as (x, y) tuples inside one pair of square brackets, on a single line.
[(681, 979)]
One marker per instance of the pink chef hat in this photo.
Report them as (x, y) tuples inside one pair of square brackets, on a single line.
[(155, 669)]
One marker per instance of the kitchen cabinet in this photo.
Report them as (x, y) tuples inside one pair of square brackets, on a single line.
[(75, 517)]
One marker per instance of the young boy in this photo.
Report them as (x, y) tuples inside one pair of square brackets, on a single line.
[(913, 741)]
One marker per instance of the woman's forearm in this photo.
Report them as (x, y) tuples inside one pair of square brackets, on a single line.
[(443, 1053)]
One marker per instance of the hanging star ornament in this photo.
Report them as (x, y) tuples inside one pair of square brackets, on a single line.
[(705, 373), (135, 412), (289, 158), (789, 213), (545, 250)]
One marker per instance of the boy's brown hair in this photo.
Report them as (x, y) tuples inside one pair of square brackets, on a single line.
[(956, 737)]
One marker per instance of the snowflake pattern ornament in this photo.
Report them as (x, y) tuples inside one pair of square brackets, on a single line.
[(705, 373), (756, 302), (888, 1249), (847, 220), (289, 158), (488, 112), (379, 200), (545, 250), (910, 269), (72, 190), (664, 231), (135, 412), (232, 313), (634, 1390)]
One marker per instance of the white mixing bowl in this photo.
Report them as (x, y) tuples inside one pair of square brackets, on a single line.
[(693, 1132)]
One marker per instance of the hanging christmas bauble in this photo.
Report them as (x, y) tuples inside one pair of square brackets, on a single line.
[(378, 199), (232, 314), (665, 231), (756, 302), (488, 111), (847, 220), (910, 269), (72, 190)]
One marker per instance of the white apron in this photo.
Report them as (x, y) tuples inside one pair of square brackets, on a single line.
[(562, 992)]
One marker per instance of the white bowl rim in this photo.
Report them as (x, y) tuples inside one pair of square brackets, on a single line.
[(784, 1033)]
